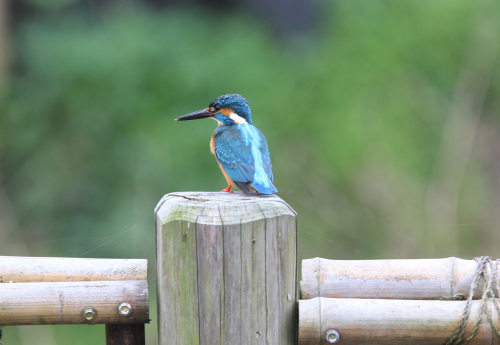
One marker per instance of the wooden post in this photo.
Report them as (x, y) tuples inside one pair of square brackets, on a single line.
[(226, 269), (125, 334)]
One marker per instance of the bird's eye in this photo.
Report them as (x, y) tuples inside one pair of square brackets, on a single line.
[(217, 107)]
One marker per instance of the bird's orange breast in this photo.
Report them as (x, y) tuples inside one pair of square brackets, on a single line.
[(212, 144)]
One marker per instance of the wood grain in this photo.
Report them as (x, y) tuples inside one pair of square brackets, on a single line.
[(62, 302), (396, 279), (177, 283), (18, 269), (391, 322), (238, 259)]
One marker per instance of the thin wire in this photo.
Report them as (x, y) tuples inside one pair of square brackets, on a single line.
[(112, 238)]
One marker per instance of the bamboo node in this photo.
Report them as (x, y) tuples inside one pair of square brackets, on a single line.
[(486, 268)]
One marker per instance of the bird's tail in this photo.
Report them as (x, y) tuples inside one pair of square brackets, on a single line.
[(249, 188), (245, 187), (268, 188)]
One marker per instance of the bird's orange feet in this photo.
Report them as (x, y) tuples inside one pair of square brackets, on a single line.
[(227, 189)]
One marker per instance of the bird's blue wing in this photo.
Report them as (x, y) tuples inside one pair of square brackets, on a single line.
[(263, 178), (266, 159), (242, 151), (234, 154)]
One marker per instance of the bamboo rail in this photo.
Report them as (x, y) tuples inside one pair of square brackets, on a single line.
[(351, 321), (447, 278), (40, 291), (63, 303), (226, 269), (20, 269)]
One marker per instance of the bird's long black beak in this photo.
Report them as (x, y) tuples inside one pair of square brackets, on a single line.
[(200, 114)]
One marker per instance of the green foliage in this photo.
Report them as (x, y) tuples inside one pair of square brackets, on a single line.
[(355, 118)]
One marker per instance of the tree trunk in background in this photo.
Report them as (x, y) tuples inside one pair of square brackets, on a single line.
[(3, 43)]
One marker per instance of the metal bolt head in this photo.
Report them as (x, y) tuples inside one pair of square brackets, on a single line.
[(124, 309), (332, 336), (89, 313)]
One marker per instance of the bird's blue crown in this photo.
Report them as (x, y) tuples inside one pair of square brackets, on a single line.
[(235, 102)]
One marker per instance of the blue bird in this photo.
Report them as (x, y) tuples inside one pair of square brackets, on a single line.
[(239, 147)]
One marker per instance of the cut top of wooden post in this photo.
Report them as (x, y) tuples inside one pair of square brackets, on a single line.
[(216, 208)]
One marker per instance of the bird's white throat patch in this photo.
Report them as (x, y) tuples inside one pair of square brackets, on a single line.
[(219, 123), (237, 118)]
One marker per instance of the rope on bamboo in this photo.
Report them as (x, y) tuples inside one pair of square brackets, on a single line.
[(487, 269)]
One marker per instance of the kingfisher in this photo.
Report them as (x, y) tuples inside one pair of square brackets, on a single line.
[(238, 146)]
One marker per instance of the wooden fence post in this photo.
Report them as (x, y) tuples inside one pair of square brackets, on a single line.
[(226, 269), (132, 334)]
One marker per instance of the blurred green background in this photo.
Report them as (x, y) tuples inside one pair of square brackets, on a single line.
[(382, 117)]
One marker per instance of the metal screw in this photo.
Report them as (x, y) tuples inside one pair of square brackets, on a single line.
[(332, 336), (124, 309), (89, 313)]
